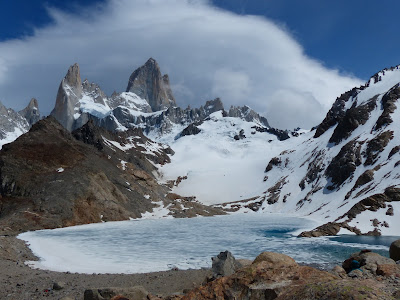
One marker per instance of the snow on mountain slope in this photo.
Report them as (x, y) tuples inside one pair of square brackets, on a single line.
[(347, 171), (350, 173), (219, 168), (13, 124)]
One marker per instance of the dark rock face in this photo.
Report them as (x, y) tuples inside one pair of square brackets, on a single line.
[(376, 146), (282, 135), (192, 129), (213, 106), (345, 163), (336, 113), (364, 178), (275, 161), (394, 151), (147, 83), (247, 114), (395, 250), (355, 116), (315, 167), (388, 103), (328, 229), (240, 136)]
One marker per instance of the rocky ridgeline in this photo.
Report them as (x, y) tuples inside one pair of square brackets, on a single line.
[(347, 169), (148, 103), (15, 123)]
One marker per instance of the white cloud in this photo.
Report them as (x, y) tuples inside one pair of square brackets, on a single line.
[(234, 85), (206, 51)]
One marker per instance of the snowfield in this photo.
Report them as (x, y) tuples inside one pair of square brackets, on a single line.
[(219, 168)]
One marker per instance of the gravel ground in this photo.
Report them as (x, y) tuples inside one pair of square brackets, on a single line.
[(18, 281)]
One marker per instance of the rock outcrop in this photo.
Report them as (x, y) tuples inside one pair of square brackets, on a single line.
[(52, 178), (148, 103), (350, 159), (68, 95), (148, 83), (13, 124), (134, 293), (395, 250), (224, 264), (277, 276), (31, 113)]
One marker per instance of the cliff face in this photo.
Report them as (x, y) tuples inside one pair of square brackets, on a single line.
[(148, 83)]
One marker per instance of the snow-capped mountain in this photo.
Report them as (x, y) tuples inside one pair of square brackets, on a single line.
[(345, 172), (13, 124), (235, 160), (148, 103)]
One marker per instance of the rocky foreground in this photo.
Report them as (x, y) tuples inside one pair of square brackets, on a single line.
[(365, 275)]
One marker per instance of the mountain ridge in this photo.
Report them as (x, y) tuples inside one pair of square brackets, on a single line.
[(343, 173)]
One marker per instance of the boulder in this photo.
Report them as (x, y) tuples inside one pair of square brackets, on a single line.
[(368, 262), (270, 275), (274, 260), (224, 264), (192, 129), (134, 293), (339, 271), (388, 270), (244, 262), (58, 285), (395, 250)]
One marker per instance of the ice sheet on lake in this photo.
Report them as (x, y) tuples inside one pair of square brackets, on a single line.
[(156, 245)]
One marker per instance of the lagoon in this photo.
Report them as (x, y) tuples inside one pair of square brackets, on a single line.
[(140, 246)]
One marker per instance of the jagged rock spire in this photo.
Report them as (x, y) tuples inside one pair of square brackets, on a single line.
[(31, 112), (69, 93), (147, 83)]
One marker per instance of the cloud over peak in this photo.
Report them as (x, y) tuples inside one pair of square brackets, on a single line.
[(207, 52)]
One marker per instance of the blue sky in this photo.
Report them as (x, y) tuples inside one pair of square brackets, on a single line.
[(290, 63)]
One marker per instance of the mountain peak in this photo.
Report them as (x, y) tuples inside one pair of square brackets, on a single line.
[(73, 77), (148, 83), (151, 61), (31, 112), (68, 95)]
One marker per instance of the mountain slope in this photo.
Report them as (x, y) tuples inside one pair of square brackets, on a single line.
[(51, 178), (220, 159), (13, 124), (347, 171)]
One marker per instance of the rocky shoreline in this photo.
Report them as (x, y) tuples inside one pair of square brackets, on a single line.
[(18, 281), (365, 275)]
